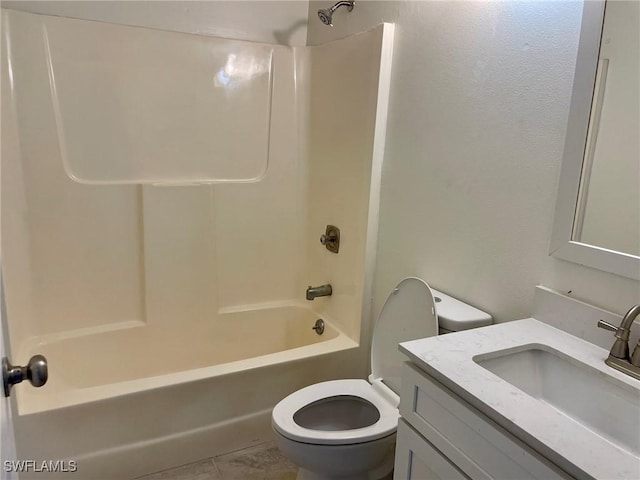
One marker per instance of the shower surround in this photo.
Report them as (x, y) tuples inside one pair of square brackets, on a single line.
[(173, 317)]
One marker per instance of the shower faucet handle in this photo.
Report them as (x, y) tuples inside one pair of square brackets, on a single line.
[(331, 238), (36, 371), (324, 238)]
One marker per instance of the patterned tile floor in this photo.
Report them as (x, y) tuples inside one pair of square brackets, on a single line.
[(262, 462)]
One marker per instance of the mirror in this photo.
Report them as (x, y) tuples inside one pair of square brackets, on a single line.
[(597, 219)]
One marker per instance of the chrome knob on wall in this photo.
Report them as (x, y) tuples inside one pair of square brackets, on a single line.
[(36, 371), (331, 238)]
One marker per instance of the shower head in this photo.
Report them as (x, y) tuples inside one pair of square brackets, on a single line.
[(325, 14)]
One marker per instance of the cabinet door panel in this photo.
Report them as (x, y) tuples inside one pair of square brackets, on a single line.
[(417, 459), (477, 445)]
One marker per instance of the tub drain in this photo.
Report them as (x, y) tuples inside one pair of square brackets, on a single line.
[(319, 326)]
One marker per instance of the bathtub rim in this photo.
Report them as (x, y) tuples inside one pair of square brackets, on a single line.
[(34, 401)]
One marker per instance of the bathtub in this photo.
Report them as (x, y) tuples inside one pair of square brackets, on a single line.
[(87, 368), (207, 399)]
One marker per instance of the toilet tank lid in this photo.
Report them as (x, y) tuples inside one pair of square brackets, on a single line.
[(455, 315)]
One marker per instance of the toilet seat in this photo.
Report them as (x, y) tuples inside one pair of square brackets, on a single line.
[(284, 411)]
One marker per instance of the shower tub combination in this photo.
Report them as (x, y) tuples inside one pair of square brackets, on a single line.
[(174, 318)]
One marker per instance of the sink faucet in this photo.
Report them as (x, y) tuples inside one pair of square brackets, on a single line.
[(619, 354), (321, 291)]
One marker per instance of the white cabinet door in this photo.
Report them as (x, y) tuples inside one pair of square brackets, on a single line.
[(469, 439), (417, 459)]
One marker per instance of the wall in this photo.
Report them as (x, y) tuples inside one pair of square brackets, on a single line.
[(348, 85), (89, 258), (479, 103), (163, 235), (275, 22)]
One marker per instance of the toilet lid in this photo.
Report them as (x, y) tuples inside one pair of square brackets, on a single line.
[(408, 314)]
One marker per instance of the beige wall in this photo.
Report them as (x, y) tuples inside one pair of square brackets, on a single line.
[(479, 103)]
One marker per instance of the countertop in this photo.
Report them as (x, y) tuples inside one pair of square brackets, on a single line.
[(570, 445)]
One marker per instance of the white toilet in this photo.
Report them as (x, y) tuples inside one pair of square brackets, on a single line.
[(346, 429)]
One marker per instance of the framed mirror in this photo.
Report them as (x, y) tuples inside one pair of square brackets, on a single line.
[(597, 220)]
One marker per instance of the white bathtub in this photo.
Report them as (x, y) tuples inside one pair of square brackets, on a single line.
[(128, 402), (115, 363)]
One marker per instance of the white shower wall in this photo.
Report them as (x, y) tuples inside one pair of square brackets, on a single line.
[(346, 137), (105, 257)]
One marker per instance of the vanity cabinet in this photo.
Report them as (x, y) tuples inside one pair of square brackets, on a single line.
[(440, 435)]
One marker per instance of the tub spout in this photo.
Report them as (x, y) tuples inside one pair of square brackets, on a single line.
[(321, 291)]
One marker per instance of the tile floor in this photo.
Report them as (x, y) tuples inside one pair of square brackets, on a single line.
[(261, 462)]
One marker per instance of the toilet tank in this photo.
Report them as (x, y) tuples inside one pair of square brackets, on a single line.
[(455, 316)]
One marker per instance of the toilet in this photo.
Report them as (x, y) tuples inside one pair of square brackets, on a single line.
[(346, 429)]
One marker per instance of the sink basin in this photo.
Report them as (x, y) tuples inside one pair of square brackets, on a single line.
[(599, 402)]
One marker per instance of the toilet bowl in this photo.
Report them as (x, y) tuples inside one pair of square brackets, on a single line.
[(346, 429), (338, 429)]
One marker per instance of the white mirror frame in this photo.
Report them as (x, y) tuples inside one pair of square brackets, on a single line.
[(562, 245)]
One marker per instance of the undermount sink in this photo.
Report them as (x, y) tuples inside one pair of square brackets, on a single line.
[(599, 402)]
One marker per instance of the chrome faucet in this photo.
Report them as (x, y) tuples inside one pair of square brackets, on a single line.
[(619, 354), (321, 291)]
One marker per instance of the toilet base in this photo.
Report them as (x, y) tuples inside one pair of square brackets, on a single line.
[(365, 461), (309, 475)]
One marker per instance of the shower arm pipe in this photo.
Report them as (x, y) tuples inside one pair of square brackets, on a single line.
[(343, 3)]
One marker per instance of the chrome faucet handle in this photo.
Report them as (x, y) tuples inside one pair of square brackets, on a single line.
[(619, 355), (620, 347), (607, 326), (331, 238)]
